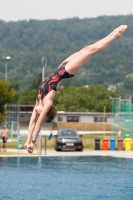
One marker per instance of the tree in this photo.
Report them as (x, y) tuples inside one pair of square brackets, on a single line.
[(28, 97), (16, 86), (28, 41), (6, 96), (79, 99)]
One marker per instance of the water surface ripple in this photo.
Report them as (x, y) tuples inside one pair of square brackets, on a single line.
[(66, 178)]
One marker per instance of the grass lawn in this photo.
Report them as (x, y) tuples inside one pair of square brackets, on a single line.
[(88, 142), (6, 153)]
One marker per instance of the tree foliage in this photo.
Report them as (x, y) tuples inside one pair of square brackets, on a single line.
[(28, 41), (79, 99), (6, 96), (90, 98)]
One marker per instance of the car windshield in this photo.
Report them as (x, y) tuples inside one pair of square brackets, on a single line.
[(67, 133)]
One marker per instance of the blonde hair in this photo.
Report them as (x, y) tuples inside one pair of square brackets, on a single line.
[(51, 114)]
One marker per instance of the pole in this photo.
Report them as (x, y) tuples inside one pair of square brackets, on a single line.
[(6, 59), (18, 144), (40, 145), (43, 73), (45, 143), (104, 110), (6, 71), (43, 66)]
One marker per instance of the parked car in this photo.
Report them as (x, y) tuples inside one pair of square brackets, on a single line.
[(68, 139)]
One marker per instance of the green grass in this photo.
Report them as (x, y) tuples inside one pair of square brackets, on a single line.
[(7, 153), (88, 142)]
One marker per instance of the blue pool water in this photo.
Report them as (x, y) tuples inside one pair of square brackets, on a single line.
[(66, 178)]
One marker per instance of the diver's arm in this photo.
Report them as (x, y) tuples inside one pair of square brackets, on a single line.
[(40, 120), (38, 126), (31, 126)]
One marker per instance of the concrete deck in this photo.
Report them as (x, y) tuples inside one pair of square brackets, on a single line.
[(50, 153)]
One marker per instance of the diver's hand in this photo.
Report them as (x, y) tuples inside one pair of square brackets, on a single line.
[(30, 147)]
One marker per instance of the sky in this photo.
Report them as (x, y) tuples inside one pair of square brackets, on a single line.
[(15, 10)]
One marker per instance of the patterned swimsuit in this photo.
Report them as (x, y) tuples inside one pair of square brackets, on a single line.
[(50, 82)]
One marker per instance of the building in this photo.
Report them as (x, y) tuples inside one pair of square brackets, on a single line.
[(83, 117), (64, 117), (20, 115)]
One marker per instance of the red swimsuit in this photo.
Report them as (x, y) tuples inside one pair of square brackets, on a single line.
[(50, 82)]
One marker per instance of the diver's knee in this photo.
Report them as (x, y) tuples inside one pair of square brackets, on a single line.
[(91, 49)]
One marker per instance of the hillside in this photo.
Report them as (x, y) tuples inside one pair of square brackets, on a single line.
[(28, 41)]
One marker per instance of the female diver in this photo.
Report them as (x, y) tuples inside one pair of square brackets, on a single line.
[(67, 69)]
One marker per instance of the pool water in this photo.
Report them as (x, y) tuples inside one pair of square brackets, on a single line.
[(66, 178)]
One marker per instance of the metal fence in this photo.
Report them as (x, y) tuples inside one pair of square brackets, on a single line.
[(122, 117)]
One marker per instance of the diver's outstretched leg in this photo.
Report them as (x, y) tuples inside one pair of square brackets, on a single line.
[(77, 60)]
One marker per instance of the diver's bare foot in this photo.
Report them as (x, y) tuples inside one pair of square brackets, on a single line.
[(118, 32)]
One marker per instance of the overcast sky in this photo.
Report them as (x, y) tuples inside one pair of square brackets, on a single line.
[(14, 10)]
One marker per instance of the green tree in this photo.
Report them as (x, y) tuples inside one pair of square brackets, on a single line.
[(6, 96), (28, 41), (79, 99), (16, 86), (28, 97)]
